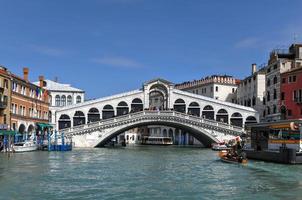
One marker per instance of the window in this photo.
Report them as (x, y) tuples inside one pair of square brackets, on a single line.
[(295, 95), (283, 80), (58, 100), (275, 109), (212, 89), (69, 100), (63, 100), (275, 94), (289, 79), (289, 112), (216, 88), (254, 101), (268, 110), (282, 96), (79, 99), (233, 90), (268, 96), (264, 101), (275, 79), (269, 70), (6, 83), (268, 82), (294, 78), (275, 66)]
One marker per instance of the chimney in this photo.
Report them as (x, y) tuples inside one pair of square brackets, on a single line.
[(254, 68), (41, 81), (25, 73)]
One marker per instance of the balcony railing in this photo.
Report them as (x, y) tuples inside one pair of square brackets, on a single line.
[(3, 104)]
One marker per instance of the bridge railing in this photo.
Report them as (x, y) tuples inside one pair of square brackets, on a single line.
[(153, 113)]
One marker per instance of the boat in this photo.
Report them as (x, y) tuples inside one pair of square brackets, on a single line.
[(157, 141), (25, 146), (219, 147), (224, 157)]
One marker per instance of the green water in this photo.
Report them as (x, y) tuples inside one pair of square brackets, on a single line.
[(144, 172)]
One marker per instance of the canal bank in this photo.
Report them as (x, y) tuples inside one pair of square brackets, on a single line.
[(146, 172)]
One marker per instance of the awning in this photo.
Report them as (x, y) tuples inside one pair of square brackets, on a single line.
[(6, 132), (44, 125)]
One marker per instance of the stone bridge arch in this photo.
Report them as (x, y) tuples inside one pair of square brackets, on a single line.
[(200, 134)]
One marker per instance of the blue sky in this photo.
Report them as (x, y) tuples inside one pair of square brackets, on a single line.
[(110, 46)]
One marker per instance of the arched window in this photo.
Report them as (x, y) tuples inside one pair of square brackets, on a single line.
[(180, 105), (268, 97), (64, 122), (69, 100), (122, 108), (78, 118), (108, 112), (136, 105), (63, 100), (208, 112), (79, 99), (222, 116), (93, 115), (268, 110), (194, 109), (236, 119), (275, 94), (250, 120), (58, 100)]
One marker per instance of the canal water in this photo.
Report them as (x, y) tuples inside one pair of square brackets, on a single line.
[(144, 172)]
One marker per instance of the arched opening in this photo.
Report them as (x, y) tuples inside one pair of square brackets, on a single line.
[(93, 115), (283, 112), (30, 129), (158, 97), (122, 108), (250, 120), (236, 119), (137, 105), (208, 112), (165, 133), (194, 109), (222, 116), (64, 122), (180, 106), (78, 118), (50, 116), (171, 133), (108, 112), (22, 128), (202, 136)]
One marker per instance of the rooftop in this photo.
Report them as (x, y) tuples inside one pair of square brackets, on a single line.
[(55, 86)]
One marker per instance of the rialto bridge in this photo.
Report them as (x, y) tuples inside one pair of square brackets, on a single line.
[(94, 123)]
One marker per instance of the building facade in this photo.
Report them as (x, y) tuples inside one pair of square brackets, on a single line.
[(61, 95), (280, 61), (291, 94), (5, 98), (251, 91), (218, 87), (29, 105)]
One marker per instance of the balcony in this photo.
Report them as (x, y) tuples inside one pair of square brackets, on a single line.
[(3, 104)]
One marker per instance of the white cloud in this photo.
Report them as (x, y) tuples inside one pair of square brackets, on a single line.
[(49, 51), (250, 42), (119, 62)]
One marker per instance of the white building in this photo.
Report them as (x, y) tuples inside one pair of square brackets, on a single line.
[(251, 91), (217, 87), (61, 95)]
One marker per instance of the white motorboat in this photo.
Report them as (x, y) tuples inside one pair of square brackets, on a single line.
[(219, 147), (25, 146)]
